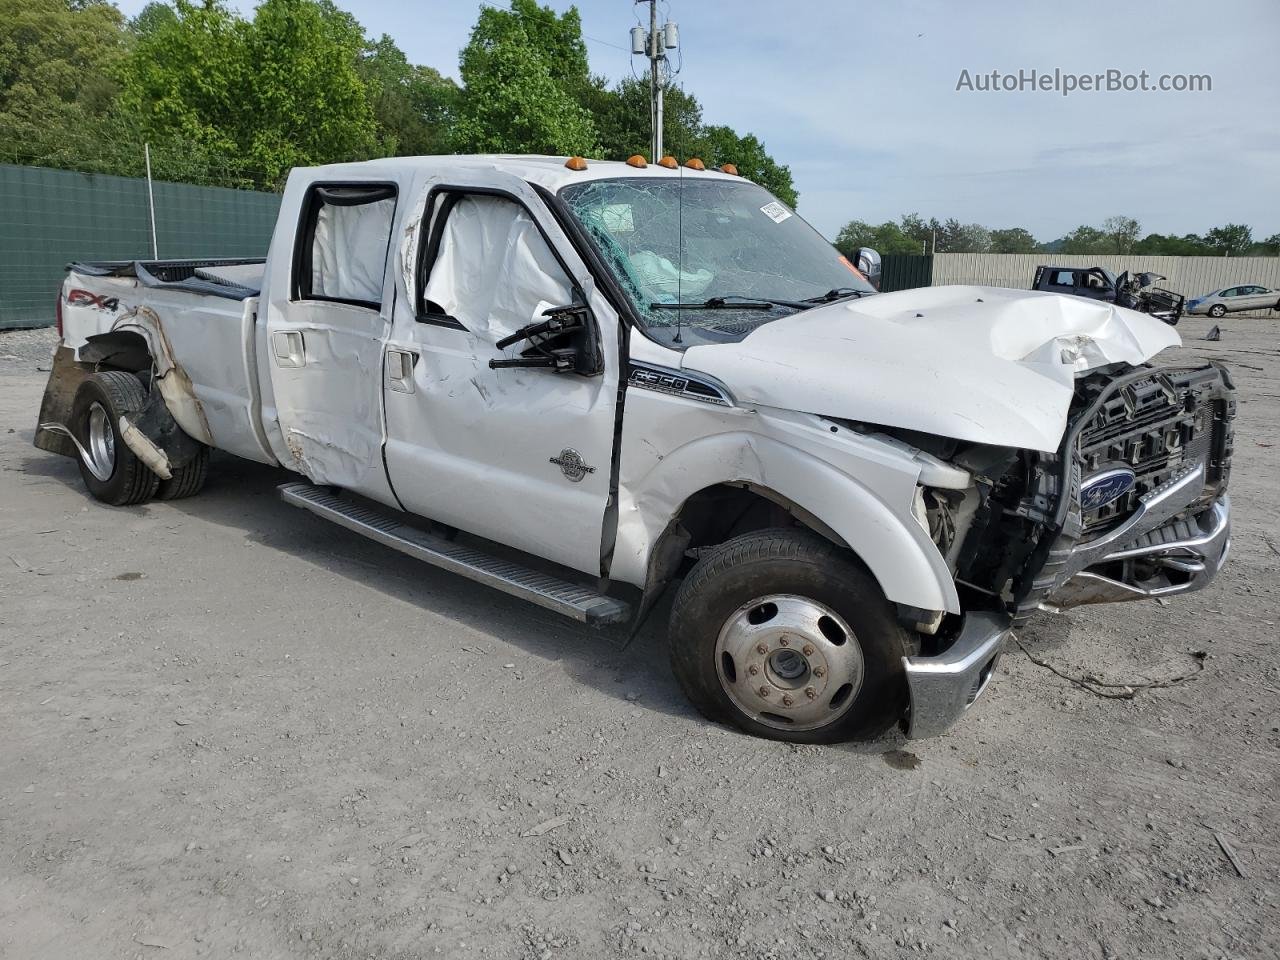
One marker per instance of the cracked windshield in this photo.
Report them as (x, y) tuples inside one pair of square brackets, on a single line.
[(708, 261)]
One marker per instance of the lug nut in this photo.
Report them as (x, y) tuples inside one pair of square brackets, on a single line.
[(785, 641), (808, 650), (764, 691), (819, 671), (753, 670), (786, 701), (761, 649), (810, 693)]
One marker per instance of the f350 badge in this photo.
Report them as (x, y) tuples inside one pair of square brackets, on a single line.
[(572, 465)]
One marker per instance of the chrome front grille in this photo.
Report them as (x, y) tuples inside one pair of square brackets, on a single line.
[(1156, 427)]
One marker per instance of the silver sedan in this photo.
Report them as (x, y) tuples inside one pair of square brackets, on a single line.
[(1233, 299)]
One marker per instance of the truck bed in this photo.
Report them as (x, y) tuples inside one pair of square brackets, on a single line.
[(234, 279), (199, 317)]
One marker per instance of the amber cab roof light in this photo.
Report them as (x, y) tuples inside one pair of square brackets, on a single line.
[(729, 168), (576, 163), (669, 162), (693, 163), (635, 160)]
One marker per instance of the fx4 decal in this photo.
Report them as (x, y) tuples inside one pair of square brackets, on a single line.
[(83, 298)]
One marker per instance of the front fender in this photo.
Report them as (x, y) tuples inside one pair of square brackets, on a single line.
[(896, 549)]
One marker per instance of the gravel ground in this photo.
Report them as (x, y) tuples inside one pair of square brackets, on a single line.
[(229, 728)]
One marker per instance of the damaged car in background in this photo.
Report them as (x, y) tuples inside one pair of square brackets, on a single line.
[(1136, 291), (583, 382)]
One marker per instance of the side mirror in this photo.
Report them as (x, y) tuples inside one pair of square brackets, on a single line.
[(564, 341), (868, 263)]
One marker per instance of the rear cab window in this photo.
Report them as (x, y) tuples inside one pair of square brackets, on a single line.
[(344, 238)]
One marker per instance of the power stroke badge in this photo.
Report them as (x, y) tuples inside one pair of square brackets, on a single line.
[(572, 465)]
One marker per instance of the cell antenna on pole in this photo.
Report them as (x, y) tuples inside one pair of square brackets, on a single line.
[(654, 44)]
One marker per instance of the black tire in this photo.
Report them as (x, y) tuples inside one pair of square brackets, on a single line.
[(117, 393), (1217, 311), (787, 564), (186, 481)]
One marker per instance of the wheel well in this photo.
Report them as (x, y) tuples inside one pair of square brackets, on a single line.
[(719, 513), (728, 510), (119, 350)]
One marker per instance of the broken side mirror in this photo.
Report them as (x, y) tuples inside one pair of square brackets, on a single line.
[(564, 340), (867, 261)]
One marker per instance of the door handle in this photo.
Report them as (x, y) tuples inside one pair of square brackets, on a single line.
[(400, 365), (289, 348)]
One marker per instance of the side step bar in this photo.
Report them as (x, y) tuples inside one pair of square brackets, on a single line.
[(580, 603)]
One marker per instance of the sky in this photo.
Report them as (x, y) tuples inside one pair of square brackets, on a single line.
[(860, 100)]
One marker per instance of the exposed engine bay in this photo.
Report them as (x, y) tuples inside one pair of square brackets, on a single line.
[(1125, 509)]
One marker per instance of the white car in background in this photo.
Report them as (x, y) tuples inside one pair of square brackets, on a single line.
[(1235, 299)]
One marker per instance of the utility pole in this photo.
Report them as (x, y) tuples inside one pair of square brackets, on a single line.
[(654, 44), (151, 202)]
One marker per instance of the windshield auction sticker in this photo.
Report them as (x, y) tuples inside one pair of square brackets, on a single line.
[(775, 211)]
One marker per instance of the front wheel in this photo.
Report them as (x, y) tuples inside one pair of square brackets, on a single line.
[(1217, 311), (786, 636)]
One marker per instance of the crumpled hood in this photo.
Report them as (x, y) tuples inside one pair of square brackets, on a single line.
[(985, 364)]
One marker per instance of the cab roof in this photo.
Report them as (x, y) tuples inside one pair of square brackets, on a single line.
[(545, 171)]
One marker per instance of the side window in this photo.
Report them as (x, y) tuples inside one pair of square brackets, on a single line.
[(488, 268), (343, 242), (1063, 278)]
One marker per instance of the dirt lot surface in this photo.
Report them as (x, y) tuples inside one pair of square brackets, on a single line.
[(227, 728)]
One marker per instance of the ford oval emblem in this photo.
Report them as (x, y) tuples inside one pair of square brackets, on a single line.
[(1102, 488)]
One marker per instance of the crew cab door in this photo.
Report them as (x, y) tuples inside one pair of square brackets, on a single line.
[(327, 315), (517, 453)]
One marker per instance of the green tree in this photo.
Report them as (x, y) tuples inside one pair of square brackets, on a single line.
[(957, 237), (1123, 232), (151, 18), (622, 119), (524, 74), (1231, 240), (57, 63), (1156, 244), (279, 91), (887, 237), (1086, 240), (309, 103), (1013, 240), (413, 106), (1269, 247), (718, 145)]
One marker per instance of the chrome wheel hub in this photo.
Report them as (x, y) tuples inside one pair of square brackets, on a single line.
[(99, 451), (789, 662)]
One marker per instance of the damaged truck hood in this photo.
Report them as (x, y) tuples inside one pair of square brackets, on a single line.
[(983, 364)]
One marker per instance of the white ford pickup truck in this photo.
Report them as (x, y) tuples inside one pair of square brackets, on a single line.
[(581, 382)]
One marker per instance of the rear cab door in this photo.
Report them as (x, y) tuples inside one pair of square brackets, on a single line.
[(328, 309)]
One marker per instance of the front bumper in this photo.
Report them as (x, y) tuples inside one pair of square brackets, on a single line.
[(1152, 557), (944, 687)]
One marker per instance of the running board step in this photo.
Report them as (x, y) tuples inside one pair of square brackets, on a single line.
[(580, 603)]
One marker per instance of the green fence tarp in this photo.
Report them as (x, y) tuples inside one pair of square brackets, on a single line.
[(50, 217), (904, 271)]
